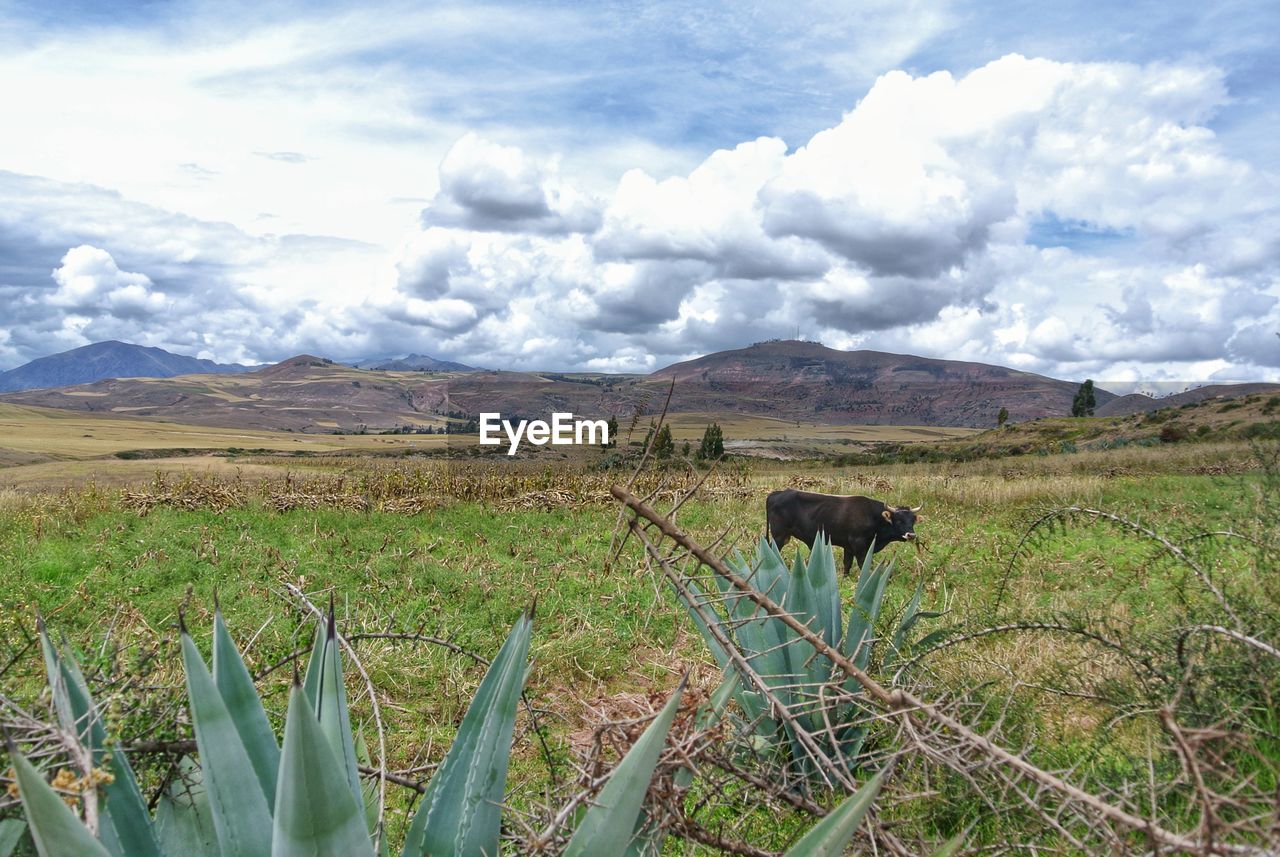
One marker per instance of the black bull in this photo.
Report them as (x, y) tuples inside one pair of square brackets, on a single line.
[(852, 523)]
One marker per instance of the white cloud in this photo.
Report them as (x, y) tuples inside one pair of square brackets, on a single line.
[(89, 281), (486, 186), (711, 215), (911, 223), (907, 220)]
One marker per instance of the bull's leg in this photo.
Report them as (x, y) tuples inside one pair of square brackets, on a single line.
[(779, 538), (857, 550), (774, 529)]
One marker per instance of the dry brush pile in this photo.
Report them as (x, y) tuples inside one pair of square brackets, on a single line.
[(410, 489)]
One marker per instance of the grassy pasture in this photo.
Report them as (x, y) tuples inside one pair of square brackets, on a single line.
[(64, 435), (690, 426), (607, 631), (47, 448)]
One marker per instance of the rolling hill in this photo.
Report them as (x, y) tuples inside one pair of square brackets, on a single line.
[(793, 379), (778, 381), (1137, 403), (412, 363), (304, 393), (103, 360)]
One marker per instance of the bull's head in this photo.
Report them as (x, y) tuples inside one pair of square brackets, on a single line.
[(899, 524)]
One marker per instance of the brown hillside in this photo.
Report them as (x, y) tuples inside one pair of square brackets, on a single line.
[(795, 379), (791, 380)]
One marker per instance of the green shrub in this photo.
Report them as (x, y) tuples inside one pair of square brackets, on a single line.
[(1261, 431)]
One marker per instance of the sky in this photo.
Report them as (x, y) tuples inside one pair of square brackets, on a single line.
[(1081, 190)]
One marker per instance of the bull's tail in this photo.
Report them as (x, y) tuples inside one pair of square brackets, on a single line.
[(768, 530)]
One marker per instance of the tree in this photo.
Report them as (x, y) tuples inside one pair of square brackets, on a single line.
[(712, 446), (613, 433), (1084, 402), (1002, 417), (664, 446), (684, 450)]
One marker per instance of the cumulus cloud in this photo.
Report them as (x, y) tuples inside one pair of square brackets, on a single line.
[(636, 297), (906, 224), (90, 282), (489, 187), (1257, 343), (80, 264), (916, 223), (711, 215)]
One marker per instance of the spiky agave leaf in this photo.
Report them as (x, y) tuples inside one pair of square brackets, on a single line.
[(607, 827), (72, 702), (460, 814), (245, 707), (867, 598), (820, 572), (328, 695), (830, 836), (55, 829), (813, 597), (695, 609), (369, 792), (749, 700), (311, 683), (648, 839), (316, 814), (184, 822), (125, 824), (126, 827), (11, 830), (763, 640), (241, 815)]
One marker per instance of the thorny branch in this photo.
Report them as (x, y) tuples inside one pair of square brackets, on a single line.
[(939, 735)]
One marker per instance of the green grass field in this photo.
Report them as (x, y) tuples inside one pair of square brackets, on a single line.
[(607, 630)]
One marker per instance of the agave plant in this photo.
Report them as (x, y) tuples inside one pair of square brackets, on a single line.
[(787, 667), (249, 795)]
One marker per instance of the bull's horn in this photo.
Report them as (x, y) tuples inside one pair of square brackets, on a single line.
[(887, 515), (917, 508)]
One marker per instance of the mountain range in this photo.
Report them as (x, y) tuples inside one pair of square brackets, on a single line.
[(784, 380), (109, 359)]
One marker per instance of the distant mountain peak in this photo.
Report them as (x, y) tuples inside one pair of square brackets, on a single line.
[(100, 361), (306, 360), (412, 363)]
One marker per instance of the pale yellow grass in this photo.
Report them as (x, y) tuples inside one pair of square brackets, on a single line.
[(690, 426), (114, 472), (74, 435)]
